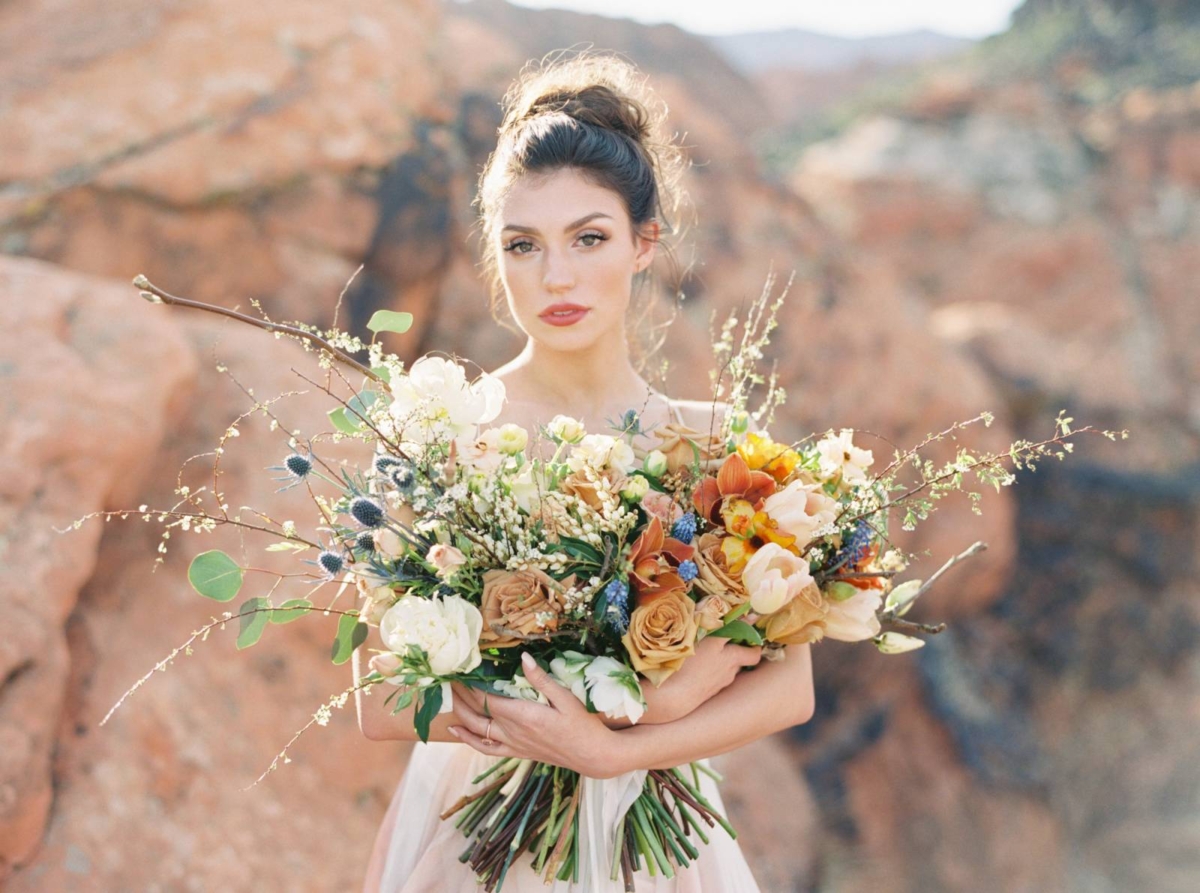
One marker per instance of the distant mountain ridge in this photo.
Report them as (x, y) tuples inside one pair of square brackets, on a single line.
[(796, 48)]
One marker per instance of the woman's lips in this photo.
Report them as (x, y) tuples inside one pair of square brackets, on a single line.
[(563, 314)]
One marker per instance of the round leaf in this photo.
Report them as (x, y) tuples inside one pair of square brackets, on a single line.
[(254, 621), (390, 321), (215, 575)]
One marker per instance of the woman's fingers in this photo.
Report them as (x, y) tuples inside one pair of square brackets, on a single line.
[(466, 736), (557, 695), (749, 655)]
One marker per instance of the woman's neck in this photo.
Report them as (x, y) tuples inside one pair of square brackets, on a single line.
[(586, 382)]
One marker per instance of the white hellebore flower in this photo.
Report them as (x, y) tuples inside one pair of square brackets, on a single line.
[(447, 629), (801, 509), (480, 452), (855, 618), (774, 576), (435, 401), (839, 455), (568, 669), (615, 690), (521, 688)]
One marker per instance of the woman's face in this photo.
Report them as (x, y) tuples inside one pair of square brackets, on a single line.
[(567, 257)]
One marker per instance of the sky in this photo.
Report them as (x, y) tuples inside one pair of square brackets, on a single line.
[(849, 18)]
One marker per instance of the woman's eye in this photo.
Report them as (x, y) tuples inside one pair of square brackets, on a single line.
[(596, 237), (515, 247)]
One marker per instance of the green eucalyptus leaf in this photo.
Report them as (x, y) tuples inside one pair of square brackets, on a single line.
[(351, 633), (739, 631), (431, 704), (840, 592), (254, 621), (390, 321), (287, 547), (383, 372), (339, 420), (295, 608), (215, 575)]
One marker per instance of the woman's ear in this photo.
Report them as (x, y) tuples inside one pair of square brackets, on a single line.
[(647, 242)]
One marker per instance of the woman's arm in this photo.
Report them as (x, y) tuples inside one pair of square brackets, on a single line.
[(774, 696), (375, 718)]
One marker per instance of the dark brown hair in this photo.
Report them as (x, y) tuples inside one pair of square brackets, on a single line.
[(592, 113)]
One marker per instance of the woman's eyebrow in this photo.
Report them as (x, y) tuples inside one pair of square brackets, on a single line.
[(570, 226)]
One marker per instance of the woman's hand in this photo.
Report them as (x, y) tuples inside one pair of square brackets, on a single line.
[(714, 666), (562, 733)]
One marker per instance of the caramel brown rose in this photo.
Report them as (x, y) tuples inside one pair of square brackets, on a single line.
[(714, 577), (528, 602), (799, 621), (587, 484), (711, 611), (677, 443), (661, 636)]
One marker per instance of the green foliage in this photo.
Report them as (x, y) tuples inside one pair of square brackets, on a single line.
[(390, 321), (290, 610), (739, 632), (351, 633), (428, 707), (215, 575), (254, 620)]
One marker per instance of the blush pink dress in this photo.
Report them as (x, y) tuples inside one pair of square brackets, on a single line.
[(417, 852)]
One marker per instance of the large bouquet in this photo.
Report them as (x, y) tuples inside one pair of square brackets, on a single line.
[(604, 556)]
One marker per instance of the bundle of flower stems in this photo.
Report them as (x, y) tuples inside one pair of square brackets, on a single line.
[(532, 807)]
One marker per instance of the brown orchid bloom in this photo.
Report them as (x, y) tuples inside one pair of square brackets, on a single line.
[(654, 559), (734, 499)]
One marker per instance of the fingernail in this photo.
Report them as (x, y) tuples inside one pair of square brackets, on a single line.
[(453, 730), (527, 660)]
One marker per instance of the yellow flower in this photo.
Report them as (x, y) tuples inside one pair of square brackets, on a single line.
[(762, 453), (662, 635)]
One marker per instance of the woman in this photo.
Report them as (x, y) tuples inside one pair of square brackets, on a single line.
[(572, 203)]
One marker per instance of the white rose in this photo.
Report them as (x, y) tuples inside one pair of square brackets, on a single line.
[(655, 463), (621, 456), (855, 618), (513, 439), (566, 429), (447, 629), (614, 689), (801, 509), (773, 577), (388, 543), (447, 559), (839, 456), (568, 669)]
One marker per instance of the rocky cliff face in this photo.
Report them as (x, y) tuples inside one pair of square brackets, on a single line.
[(236, 154)]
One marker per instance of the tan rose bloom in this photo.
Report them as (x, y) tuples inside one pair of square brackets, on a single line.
[(587, 482), (711, 611), (799, 621), (661, 636), (714, 577), (528, 602), (677, 441)]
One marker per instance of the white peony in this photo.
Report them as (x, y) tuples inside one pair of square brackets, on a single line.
[(615, 689), (434, 401), (773, 577), (800, 509), (599, 451), (839, 456), (855, 618), (447, 629)]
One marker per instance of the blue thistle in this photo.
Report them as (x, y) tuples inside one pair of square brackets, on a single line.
[(403, 478), (365, 541), (298, 466), (616, 594), (684, 529), (688, 571), (331, 562), (854, 546), (367, 512), (384, 464)]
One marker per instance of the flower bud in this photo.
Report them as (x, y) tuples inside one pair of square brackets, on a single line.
[(635, 488), (740, 423), (385, 664), (512, 439), (655, 463), (566, 429), (897, 643)]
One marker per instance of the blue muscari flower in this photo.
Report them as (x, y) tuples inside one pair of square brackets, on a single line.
[(367, 511), (684, 529), (616, 594), (331, 562), (855, 546), (365, 541), (688, 571)]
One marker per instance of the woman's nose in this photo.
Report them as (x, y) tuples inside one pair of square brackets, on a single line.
[(557, 274)]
